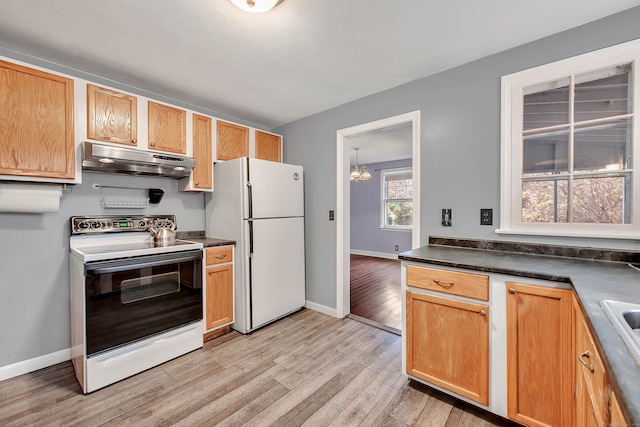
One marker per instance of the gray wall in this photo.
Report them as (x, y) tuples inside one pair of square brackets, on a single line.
[(366, 234), (34, 272), (460, 144)]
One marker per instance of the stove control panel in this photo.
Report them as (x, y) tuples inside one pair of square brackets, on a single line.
[(113, 224)]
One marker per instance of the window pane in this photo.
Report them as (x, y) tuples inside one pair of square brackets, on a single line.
[(399, 213), (599, 200), (545, 154), (603, 93), (544, 201), (546, 106), (402, 189), (601, 148)]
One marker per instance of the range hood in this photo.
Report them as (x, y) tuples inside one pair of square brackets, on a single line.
[(112, 159)]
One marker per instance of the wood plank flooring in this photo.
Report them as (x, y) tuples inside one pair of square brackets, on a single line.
[(307, 369), (375, 290)]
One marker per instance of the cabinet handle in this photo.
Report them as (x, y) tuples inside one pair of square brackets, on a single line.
[(442, 283), (482, 313), (588, 365), (512, 291), (220, 256)]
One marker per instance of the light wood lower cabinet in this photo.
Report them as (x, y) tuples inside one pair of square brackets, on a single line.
[(592, 402), (218, 287), (617, 418), (447, 344), (539, 362)]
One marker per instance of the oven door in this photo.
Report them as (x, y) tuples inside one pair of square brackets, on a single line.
[(134, 298)]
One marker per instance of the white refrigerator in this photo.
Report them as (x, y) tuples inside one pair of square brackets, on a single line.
[(260, 205)]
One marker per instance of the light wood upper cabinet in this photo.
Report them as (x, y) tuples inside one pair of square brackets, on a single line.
[(111, 116), (36, 123), (202, 140), (448, 344), (219, 287), (167, 128), (268, 146), (232, 141), (539, 350)]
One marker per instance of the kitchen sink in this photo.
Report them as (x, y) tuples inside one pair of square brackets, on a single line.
[(625, 318)]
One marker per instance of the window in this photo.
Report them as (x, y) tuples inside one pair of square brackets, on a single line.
[(397, 198), (568, 144)]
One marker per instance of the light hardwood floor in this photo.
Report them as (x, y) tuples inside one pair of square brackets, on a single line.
[(308, 369)]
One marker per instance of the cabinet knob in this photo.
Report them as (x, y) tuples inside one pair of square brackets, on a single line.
[(512, 291), (152, 144), (196, 183), (482, 313), (133, 141)]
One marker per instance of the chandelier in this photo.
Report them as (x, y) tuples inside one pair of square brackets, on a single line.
[(255, 6), (359, 174)]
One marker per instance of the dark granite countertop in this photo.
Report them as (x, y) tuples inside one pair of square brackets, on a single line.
[(199, 237), (592, 281)]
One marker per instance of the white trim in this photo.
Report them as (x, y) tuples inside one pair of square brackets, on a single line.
[(30, 365), (321, 308), (511, 111), (374, 254), (343, 198)]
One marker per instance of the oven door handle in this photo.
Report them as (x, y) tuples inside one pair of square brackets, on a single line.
[(107, 267)]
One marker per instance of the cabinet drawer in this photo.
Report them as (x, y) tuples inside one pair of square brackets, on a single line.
[(219, 255), (450, 282)]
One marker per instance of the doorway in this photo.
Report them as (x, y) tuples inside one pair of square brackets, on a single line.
[(343, 209)]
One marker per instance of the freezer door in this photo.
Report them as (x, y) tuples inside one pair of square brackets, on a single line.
[(277, 190), (277, 269)]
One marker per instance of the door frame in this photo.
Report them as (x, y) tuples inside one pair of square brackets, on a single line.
[(343, 194)]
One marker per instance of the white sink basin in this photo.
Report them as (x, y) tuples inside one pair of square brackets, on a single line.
[(625, 318)]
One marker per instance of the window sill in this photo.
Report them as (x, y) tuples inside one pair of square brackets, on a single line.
[(406, 230), (567, 234)]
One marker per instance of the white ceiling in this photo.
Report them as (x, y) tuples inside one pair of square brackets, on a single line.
[(381, 145), (301, 58)]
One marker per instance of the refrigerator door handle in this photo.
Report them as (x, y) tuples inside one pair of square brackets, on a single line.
[(250, 199), (250, 224)]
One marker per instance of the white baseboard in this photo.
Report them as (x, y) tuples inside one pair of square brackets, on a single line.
[(321, 308), (34, 364), (373, 254)]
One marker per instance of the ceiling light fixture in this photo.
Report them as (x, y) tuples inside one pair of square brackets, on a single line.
[(256, 6), (359, 174)]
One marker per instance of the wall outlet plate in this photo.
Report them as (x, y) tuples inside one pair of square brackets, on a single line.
[(486, 216)]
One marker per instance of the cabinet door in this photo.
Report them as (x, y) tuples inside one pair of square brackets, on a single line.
[(539, 367), (111, 116), (232, 141), (448, 344), (591, 384), (167, 128), (219, 295), (202, 140), (36, 123), (617, 418), (268, 146)]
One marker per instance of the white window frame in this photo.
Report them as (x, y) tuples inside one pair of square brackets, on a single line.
[(383, 207), (512, 144)]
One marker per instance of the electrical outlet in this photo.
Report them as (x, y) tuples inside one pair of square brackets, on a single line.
[(331, 216), (397, 248), (486, 216), (446, 217)]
